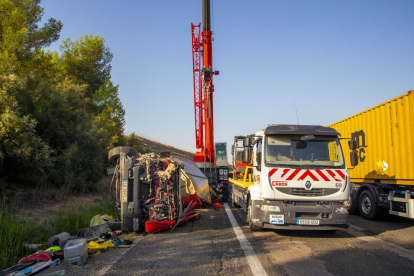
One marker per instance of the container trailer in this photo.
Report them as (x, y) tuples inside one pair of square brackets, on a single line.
[(380, 158)]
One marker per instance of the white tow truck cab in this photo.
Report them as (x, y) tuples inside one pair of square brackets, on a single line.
[(291, 177)]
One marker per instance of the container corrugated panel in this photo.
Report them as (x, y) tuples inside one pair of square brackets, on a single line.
[(385, 141)]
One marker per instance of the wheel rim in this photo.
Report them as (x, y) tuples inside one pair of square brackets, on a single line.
[(366, 204)]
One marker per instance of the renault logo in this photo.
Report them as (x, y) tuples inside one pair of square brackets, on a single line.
[(308, 185)]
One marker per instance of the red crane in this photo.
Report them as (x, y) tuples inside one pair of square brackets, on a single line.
[(203, 87)]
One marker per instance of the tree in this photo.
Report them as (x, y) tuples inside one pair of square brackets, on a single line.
[(86, 61), (20, 146), (65, 124), (110, 112), (20, 35)]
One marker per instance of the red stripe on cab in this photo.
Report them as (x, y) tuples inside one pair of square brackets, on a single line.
[(341, 174), (293, 174), (272, 171), (322, 175)]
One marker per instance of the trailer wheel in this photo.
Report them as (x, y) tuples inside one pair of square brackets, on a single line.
[(367, 206), (252, 227), (114, 153)]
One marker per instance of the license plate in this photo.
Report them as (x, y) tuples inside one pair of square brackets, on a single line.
[(125, 191), (277, 219), (307, 221)]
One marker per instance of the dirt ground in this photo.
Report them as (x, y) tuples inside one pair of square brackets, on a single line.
[(40, 210), (159, 147)]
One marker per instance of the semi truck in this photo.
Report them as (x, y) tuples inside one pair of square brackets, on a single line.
[(291, 177), (381, 158)]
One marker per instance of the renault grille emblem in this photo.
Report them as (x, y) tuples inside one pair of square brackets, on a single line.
[(308, 185)]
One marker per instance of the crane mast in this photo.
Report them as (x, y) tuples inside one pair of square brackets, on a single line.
[(203, 87)]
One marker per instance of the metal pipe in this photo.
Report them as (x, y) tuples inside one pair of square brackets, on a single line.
[(206, 15)]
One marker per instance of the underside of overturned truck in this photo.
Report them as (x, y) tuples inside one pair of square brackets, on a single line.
[(155, 193)]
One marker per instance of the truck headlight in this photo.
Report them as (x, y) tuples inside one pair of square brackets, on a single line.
[(341, 210), (270, 208)]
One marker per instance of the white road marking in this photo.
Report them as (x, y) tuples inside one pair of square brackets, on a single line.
[(376, 243), (117, 258), (255, 265)]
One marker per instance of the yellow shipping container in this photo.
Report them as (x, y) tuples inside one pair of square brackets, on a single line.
[(385, 142)]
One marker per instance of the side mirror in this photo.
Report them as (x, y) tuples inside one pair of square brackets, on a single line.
[(352, 144), (256, 141), (354, 158), (246, 155), (247, 142)]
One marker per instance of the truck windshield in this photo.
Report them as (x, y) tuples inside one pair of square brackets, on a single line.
[(291, 150), (221, 150)]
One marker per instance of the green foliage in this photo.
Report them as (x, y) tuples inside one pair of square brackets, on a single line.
[(20, 35), (110, 112), (85, 60), (60, 114), (19, 142)]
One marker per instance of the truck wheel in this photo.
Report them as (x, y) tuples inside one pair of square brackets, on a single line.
[(353, 208), (252, 227), (233, 199), (114, 153), (367, 206)]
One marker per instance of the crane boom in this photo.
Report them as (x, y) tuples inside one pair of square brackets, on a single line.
[(198, 96), (203, 88)]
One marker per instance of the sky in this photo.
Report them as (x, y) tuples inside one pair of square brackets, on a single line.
[(281, 62)]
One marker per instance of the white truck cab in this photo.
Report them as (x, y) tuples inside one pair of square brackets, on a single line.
[(292, 177)]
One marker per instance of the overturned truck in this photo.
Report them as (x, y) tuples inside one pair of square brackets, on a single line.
[(155, 193)]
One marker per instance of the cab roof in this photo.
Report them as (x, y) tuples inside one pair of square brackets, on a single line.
[(300, 130)]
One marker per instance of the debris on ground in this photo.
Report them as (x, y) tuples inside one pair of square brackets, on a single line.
[(58, 240), (93, 247), (92, 233), (33, 246), (76, 251)]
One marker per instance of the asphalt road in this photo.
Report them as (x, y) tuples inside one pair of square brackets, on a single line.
[(210, 247)]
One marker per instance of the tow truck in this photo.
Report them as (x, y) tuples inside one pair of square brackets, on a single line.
[(291, 177)]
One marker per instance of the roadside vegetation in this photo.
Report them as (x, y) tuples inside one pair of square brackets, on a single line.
[(60, 113), (16, 231)]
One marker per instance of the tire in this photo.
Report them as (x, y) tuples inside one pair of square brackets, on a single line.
[(252, 226), (353, 208), (114, 153), (367, 206), (233, 201)]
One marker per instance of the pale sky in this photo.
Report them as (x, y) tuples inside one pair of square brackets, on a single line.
[(332, 59)]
